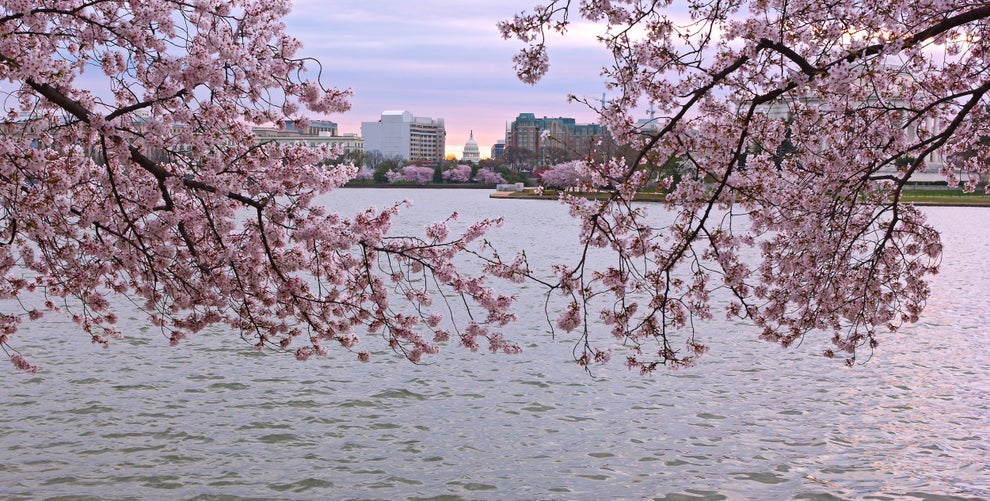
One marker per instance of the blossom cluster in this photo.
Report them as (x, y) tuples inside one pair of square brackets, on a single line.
[(797, 128), (563, 175), (488, 176), (414, 174), (159, 191), (458, 174)]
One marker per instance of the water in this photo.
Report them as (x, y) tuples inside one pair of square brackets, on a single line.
[(213, 419)]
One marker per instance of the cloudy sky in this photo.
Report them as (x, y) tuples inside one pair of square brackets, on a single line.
[(442, 59)]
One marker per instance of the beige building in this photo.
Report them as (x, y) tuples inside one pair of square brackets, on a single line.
[(527, 133), (318, 133)]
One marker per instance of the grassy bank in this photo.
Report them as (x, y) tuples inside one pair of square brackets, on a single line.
[(946, 197)]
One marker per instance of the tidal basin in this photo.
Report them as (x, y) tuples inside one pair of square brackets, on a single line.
[(214, 419)]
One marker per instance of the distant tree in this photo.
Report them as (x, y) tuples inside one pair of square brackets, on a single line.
[(519, 158), (372, 158), (383, 169), (364, 175), (565, 175), (488, 176), (353, 157), (415, 174), (458, 174), (490, 163), (554, 153), (510, 176)]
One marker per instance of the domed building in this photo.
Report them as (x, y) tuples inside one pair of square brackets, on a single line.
[(471, 151)]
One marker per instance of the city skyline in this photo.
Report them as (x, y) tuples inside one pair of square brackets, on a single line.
[(444, 60)]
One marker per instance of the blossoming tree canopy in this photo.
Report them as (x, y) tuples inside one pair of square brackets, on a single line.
[(458, 174), (485, 175), (129, 168), (416, 174), (572, 174), (803, 123)]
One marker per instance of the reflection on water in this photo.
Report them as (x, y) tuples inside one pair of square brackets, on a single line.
[(212, 418)]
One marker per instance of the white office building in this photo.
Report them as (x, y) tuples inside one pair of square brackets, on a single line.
[(399, 133)]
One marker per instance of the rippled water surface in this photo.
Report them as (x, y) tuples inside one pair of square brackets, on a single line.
[(212, 419)]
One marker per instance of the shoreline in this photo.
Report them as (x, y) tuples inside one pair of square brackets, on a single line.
[(918, 200), (932, 197), (437, 186)]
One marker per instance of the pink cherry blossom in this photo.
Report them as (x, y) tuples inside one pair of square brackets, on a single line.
[(22, 363), (795, 130), (411, 174), (458, 174), (573, 174), (488, 176), (157, 189)]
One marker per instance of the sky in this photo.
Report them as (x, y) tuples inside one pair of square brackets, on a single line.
[(443, 59)]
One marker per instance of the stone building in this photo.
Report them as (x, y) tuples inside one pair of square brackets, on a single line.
[(471, 152)]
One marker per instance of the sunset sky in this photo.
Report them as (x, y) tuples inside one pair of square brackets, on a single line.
[(443, 59)]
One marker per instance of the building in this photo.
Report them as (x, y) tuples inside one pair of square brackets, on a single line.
[(649, 126), (471, 151), (317, 133), (537, 135), (314, 128), (935, 162), (498, 148), (399, 133)]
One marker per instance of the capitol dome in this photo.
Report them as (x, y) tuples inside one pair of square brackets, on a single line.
[(471, 151)]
